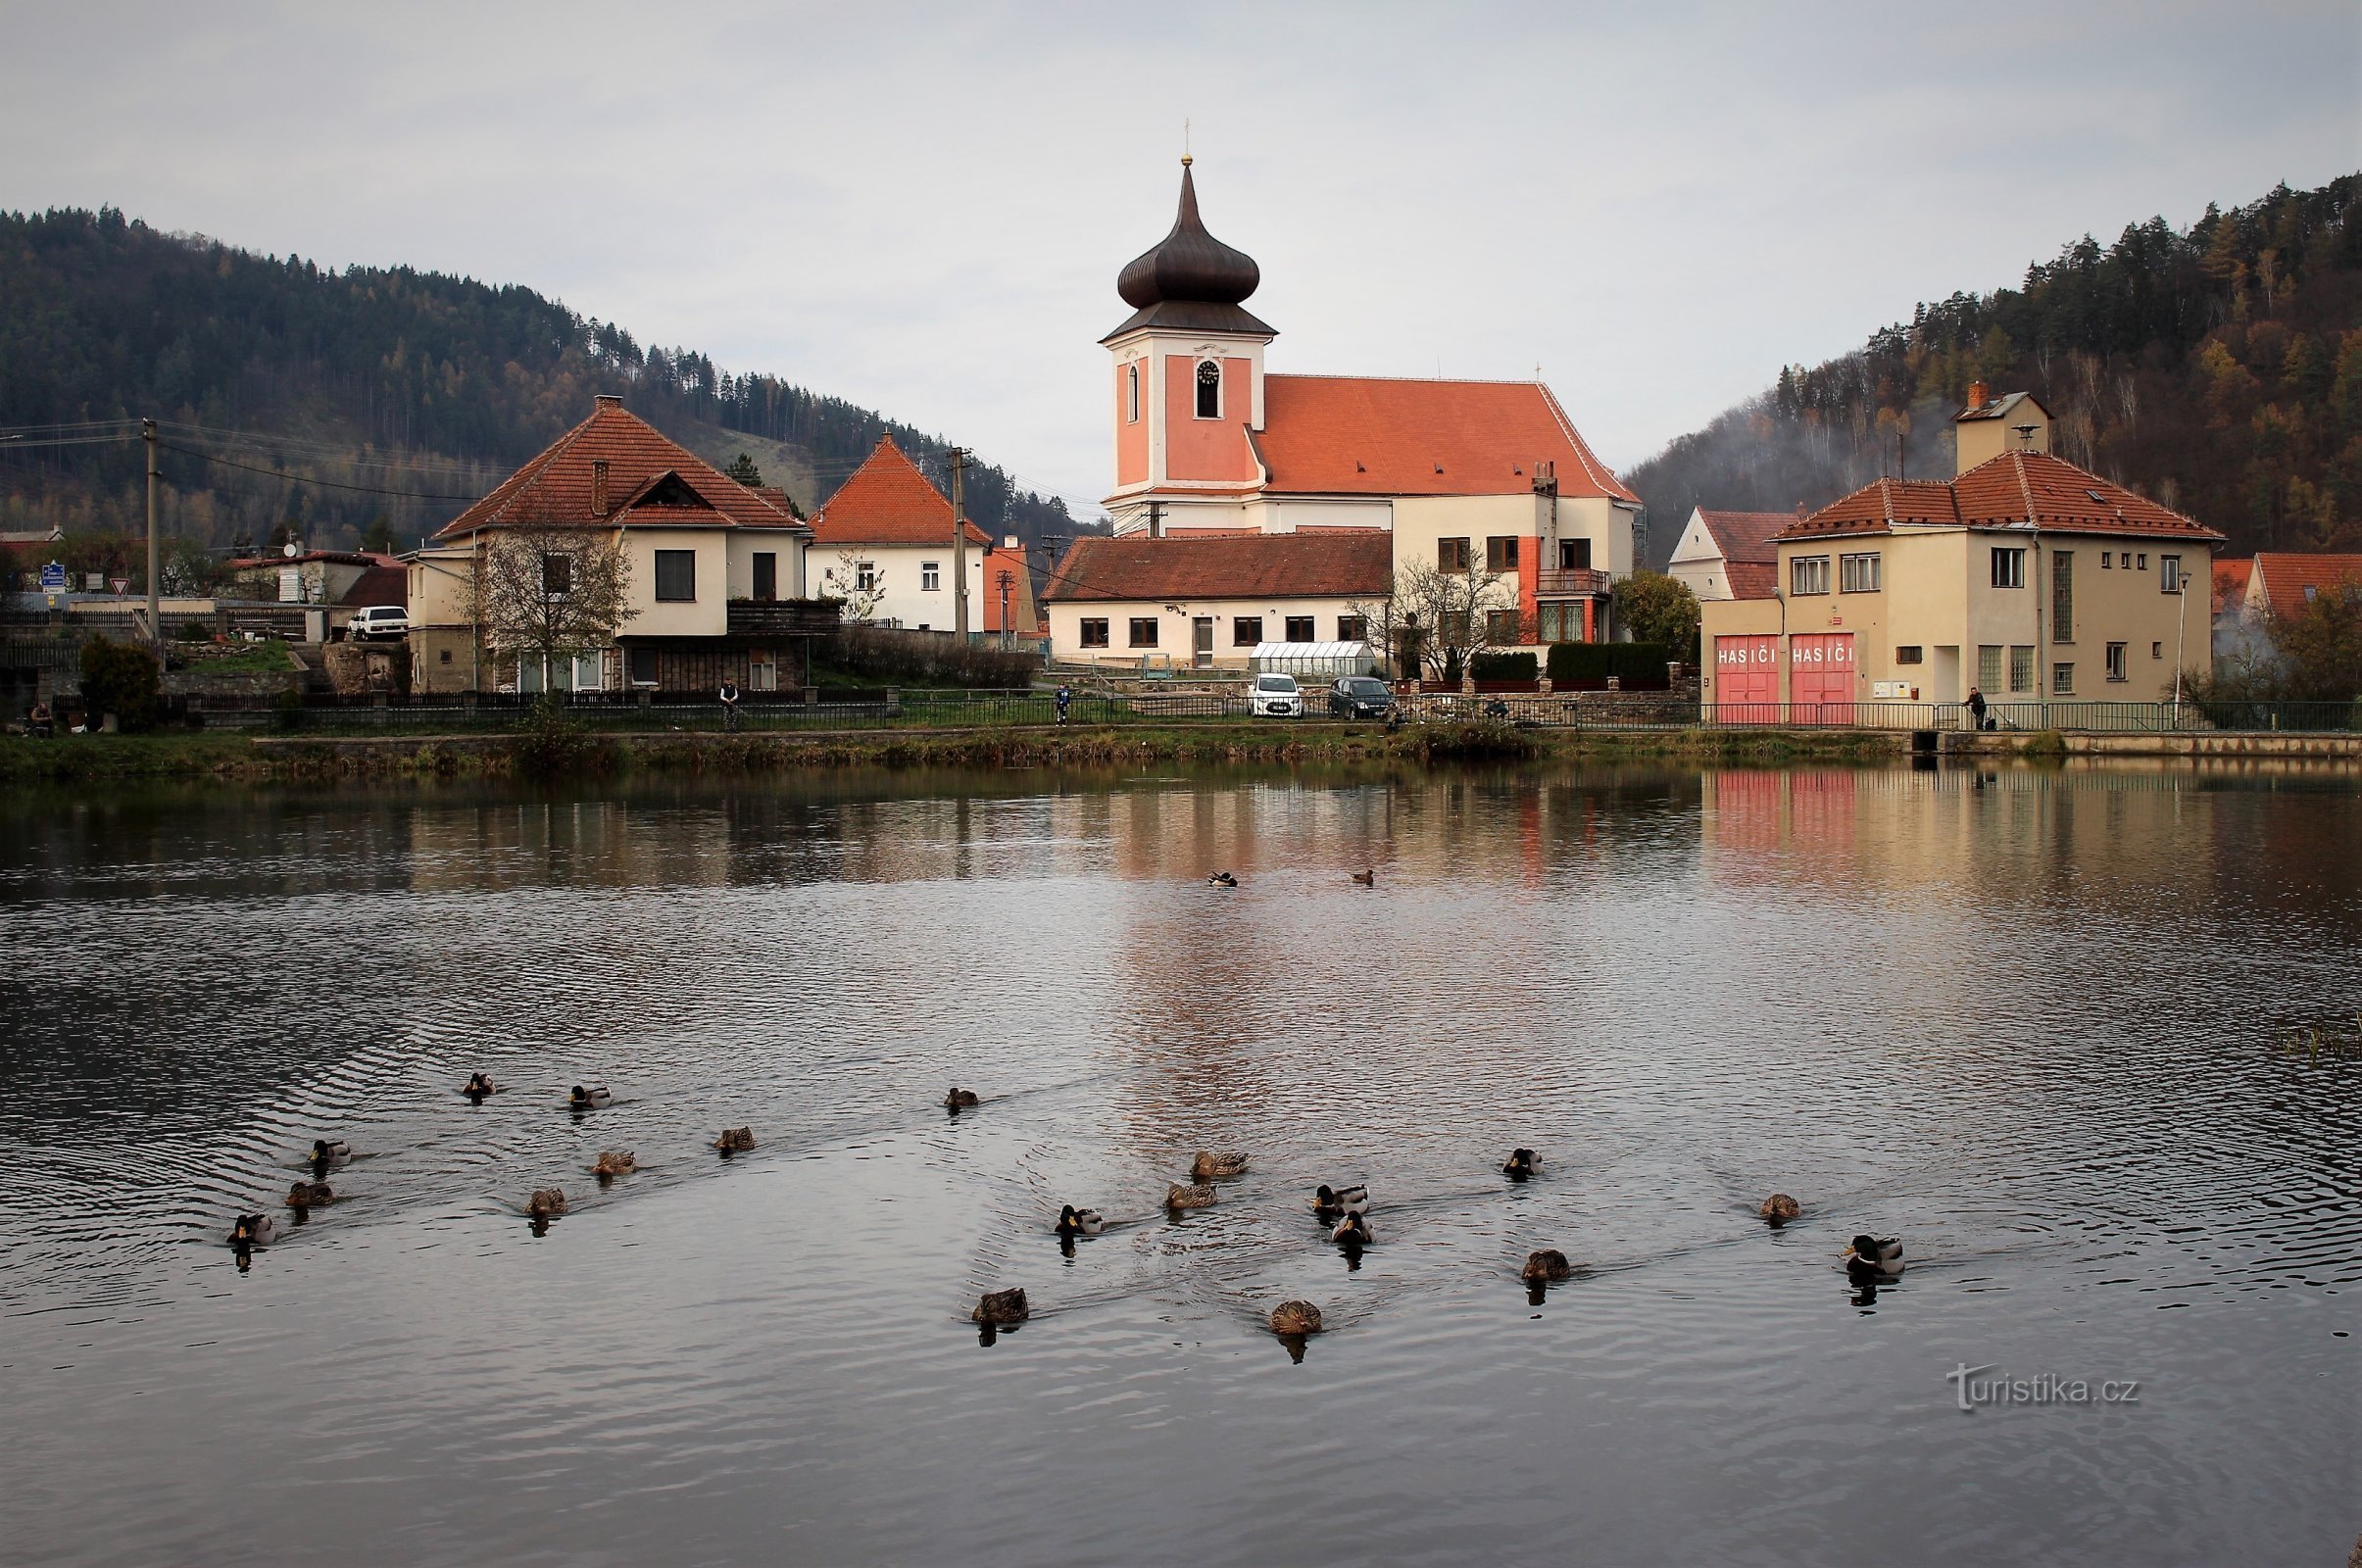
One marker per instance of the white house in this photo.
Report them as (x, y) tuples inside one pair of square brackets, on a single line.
[(1728, 554), (883, 544), (1207, 601)]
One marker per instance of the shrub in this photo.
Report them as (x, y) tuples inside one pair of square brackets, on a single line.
[(1579, 663), (194, 631), (879, 656), (121, 678), (1504, 666), (1452, 667)]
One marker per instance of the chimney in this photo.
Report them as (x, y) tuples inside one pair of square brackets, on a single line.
[(605, 400), (599, 486), (1008, 541), (1978, 396)]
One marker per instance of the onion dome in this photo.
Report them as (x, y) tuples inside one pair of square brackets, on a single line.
[(1188, 278)]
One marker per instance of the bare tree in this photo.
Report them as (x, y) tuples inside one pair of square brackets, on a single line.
[(1455, 612), (551, 591), (858, 582)]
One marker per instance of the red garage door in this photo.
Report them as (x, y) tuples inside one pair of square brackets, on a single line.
[(1747, 680), (1820, 677)]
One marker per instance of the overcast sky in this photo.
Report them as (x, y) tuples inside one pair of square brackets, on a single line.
[(924, 209)]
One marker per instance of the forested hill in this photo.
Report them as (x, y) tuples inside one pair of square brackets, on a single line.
[(310, 391), (2217, 369)]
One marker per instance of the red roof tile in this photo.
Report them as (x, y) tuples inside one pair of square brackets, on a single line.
[(1332, 563), (2007, 491), (2286, 576), (1347, 435), (1753, 579), (379, 585), (2231, 582), (1746, 535), (556, 485), (889, 502)]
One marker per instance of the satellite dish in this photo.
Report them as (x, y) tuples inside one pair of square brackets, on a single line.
[(289, 549)]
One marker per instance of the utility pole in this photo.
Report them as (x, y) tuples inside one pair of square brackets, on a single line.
[(960, 543), (1156, 519), (1008, 579), (147, 434)]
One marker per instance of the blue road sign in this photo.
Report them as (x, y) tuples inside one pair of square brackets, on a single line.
[(52, 577)]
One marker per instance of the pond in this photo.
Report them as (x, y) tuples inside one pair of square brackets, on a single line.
[(2052, 1030)]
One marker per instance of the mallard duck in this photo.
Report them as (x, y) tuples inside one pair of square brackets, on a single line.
[(961, 1100), (590, 1098), (1210, 1164), (1522, 1163), (1001, 1308), (479, 1084), (330, 1153), (1780, 1209), (1296, 1317), (1353, 1230), (1072, 1221), (1327, 1199), (1368, 879), (1177, 1195), (1882, 1255), (304, 1196), (1222, 879), (545, 1201), (252, 1229), (735, 1140), (1547, 1264), (615, 1162)]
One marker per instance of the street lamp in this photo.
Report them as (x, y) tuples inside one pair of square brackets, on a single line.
[(2181, 593)]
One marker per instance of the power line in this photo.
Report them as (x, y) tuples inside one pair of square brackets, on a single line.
[(297, 478)]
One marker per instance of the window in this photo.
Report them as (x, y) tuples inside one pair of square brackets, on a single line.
[(1131, 394), (1300, 629), (767, 574), (1858, 574), (1808, 574), (1500, 628), (930, 575), (2008, 568), (643, 667), (2310, 593), (1557, 622), (2116, 662), (1246, 631), (762, 670), (2103, 560), (2156, 650), (1210, 389), (2062, 595), (2142, 560), (865, 576), (1143, 631), (1452, 554), (1988, 667), (1574, 554), (1500, 554), (2021, 669), (557, 574), (1453, 624), (2062, 680), (446, 656), (2169, 574), (1910, 654), (675, 576), (1095, 632), (1352, 628)]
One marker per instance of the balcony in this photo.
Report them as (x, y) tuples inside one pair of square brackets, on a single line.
[(1570, 582), (784, 617)]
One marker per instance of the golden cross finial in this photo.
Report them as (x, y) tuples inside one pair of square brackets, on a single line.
[(1185, 160)]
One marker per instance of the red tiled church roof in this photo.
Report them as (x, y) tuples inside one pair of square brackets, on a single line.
[(1746, 535), (558, 485), (2286, 577), (2011, 490), (889, 502), (1332, 564), (1349, 435)]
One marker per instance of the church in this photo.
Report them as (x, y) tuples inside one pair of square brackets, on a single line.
[(1460, 475)]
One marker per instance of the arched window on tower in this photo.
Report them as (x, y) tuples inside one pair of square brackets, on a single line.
[(1131, 394), (1210, 389)]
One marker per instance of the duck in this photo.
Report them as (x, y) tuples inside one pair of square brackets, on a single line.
[(1222, 879), (480, 1084), (735, 1140), (590, 1098), (1200, 1195), (960, 1098), (1072, 1221), (252, 1229), (304, 1196), (615, 1162), (545, 1201), (1327, 1199), (1780, 1209), (1882, 1255), (1368, 879), (1000, 1308), (1296, 1317), (1353, 1230), (330, 1153), (1547, 1264), (1522, 1163), (1210, 1164)]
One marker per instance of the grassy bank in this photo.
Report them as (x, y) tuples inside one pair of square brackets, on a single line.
[(312, 757)]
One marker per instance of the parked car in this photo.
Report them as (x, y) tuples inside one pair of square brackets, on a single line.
[(1361, 697), (1275, 696), (377, 622)]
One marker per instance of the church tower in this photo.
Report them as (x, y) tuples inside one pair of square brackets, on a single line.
[(1189, 382)]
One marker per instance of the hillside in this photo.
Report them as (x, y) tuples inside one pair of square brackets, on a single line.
[(2217, 369), (328, 402)]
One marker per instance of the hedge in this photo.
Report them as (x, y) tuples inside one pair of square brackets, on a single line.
[(1573, 663), (1503, 667)]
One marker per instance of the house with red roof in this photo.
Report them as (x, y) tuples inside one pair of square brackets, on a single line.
[(713, 568), (2284, 583), (1209, 601), (883, 545), (1489, 477), (2025, 577), (1728, 554)]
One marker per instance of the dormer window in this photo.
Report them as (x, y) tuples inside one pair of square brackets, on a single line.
[(1131, 394), (1210, 389)]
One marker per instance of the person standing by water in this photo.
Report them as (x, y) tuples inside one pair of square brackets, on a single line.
[(1976, 708), (1065, 697), (729, 704)]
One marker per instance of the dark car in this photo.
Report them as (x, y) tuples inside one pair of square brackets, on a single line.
[(1359, 697)]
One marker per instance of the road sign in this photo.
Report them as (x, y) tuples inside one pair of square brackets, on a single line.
[(52, 577), (121, 583)]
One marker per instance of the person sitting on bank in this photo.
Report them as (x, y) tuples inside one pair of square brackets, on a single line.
[(40, 721), (1976, 708)]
